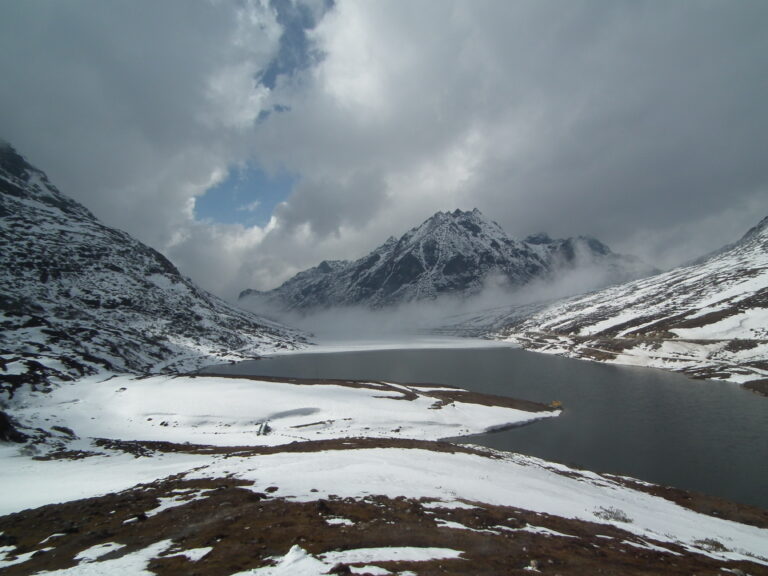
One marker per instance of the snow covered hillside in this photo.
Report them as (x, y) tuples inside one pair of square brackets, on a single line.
[(452, 253), (708, 320), (77, 296), (225, 476)]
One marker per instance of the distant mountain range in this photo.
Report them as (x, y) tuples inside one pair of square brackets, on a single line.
[(452, 253), (708, 319), (78, 297)]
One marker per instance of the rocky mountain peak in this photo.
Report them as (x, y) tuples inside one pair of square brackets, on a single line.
[(22, 180), (12, 163), (759, 229), (449, 253)]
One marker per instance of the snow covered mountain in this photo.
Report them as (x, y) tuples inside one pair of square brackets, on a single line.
[(77, 296), (709, 320), (456, 253)]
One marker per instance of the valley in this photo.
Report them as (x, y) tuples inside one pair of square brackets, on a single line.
[(117, 455)]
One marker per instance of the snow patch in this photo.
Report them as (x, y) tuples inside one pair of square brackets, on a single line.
[(95, 552), (134, 563)]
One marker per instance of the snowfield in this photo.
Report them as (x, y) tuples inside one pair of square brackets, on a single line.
[(508, 480), (261, 435), (220, 411), (415, 342)]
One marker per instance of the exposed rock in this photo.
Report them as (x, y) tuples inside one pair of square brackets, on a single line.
[(8, 432), (452, 253)]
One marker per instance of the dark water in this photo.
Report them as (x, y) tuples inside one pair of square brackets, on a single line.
[(653, 425)]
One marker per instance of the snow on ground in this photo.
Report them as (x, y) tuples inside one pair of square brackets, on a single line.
[(211, 411), (755, 321), (688, 356), (508, 480), (240, 411), (10, 551), (298, 562), (34, 483), (180, 499), (134, 563), (389, 554), (95, 552), (233, 411)]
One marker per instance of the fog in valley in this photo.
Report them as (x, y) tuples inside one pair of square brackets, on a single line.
[(495, 303)]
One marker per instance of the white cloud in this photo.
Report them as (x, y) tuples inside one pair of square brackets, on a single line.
[(236, 98), (625, 120)]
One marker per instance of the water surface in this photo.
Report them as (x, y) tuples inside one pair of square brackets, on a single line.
[(654, 425)]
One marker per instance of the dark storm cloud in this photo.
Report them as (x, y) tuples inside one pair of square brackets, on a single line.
[(632, 121), (134, 108), (668, 122), (641, 122), (329, 206)]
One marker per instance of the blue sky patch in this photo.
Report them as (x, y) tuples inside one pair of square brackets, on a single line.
[(247, 196)]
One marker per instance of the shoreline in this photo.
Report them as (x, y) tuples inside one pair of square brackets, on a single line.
[(687, 357), (397, 500)]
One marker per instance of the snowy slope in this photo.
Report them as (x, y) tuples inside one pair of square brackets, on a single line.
[(233, 411), (455, 253), (336, 494), (77, 296), (709, 319)]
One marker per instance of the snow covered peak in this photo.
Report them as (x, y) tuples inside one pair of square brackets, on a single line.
[(20, 179), (449, 253), (13, 164), (759, 230), (472, 226)]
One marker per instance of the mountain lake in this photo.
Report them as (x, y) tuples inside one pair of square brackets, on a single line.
[(665, 428)]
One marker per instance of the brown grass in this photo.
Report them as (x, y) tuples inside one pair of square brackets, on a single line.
[(246, 528)]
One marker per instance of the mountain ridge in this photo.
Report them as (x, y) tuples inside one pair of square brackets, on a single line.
[(78, 297), (451, 253), (708, 319)]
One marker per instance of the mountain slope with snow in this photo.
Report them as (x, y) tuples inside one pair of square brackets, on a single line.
[(77, 296), (708, 320), (452, 253)]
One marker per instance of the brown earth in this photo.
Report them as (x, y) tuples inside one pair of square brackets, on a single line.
[(248, 529)]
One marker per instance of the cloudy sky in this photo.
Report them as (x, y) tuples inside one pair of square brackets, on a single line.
[(248, 140)]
